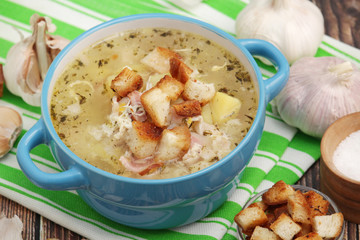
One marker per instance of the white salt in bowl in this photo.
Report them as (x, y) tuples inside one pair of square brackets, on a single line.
[(337, 184)]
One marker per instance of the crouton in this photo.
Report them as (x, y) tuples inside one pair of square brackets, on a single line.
[(250, 217), (197, 90), (261, 233), (285, 227), (171, 87), (179, 70), (143, 138), (156, 101), (157, 104), (260, 204), (328, 226), (278, 193), (188, 108), (299, 208), (174, 144), (159, 59), (318, 205), (126, 82), (310, 236), (280, 209), (305, 229)]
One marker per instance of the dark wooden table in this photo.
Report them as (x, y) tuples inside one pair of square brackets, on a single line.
[(342, 22)]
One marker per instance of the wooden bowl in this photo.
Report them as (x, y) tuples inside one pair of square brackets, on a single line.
[(339, 187)]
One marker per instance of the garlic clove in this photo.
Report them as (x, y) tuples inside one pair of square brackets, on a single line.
[(27, 62), (10, 128), (10, 228)]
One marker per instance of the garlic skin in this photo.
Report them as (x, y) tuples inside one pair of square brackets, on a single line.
[(28, 60), (318, 92), (10, 129), (295, 27)]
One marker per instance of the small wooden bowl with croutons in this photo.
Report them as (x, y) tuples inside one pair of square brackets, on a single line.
[(290, 212)]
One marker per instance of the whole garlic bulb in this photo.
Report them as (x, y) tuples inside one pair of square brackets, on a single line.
[(295, 27), (10, 128), (318, 92), (28, 60)]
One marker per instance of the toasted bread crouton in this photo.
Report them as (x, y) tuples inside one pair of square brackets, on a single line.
[(156, 101), (318, 205), (285, 227), (328, 226), (188, 108), (310, 236), (157, 104), (172, 87), (298, 208), (280, 209), (143, 138), (250, 217), (159, 59), (278, 193), (271, 218), (197, 90), (261, 233), (179, 70), (260, 204), (126, 82), (174, 144), (305, 229)]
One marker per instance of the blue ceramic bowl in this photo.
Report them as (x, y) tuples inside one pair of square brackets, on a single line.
[(151, 204)]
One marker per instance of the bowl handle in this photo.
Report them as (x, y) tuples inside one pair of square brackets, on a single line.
[(262, 48), (72, 178)]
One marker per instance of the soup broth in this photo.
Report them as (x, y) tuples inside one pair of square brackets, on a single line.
[(106, 127)]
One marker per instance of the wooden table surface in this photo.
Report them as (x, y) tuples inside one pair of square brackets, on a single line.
[(342, 22)]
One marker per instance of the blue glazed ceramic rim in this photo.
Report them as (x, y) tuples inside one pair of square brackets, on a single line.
[(78, 160)]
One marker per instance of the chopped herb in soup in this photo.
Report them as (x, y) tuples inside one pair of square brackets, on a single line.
[(153, 103)]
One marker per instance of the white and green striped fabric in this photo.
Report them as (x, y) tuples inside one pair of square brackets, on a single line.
[(283, 153)]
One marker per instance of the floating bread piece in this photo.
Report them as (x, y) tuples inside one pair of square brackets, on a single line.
[(174, 144), (250, 217), (197, 90), (126, 82), (159, 59), (278, 193), (318, 205), (189, 108), (298, 208), (261, 233), (328, 226), (179, 70), (285, 227), (310, 236), (143, 138), (156, 101)]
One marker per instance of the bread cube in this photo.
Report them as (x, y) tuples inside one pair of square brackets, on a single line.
[(159, 59), (310, 236), (278, 193), (179, 70), (298, 208), (285, 227), (174, 144), (261, 233), (143, 138), (157, 104), (250, 217), (197, 90), (171, 87), (188, 108), (126, 82), (318, 205), (328, 226)]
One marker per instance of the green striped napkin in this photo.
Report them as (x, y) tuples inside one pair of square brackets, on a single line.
[(283, 152)]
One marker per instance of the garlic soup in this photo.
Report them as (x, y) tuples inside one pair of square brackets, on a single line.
[(153, 103)]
